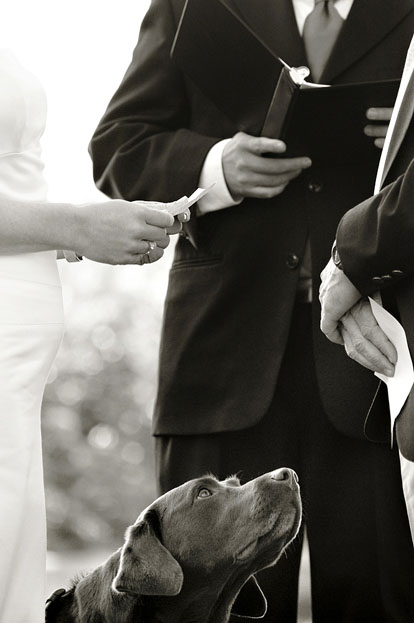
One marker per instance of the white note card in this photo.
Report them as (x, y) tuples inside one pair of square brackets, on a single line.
[(181, 205)]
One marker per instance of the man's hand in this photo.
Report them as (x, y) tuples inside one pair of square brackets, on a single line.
[(337, 295), (378, 131), (249, 173), (364, 340)]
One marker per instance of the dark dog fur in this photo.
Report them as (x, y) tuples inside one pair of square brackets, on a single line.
[(190, 554)]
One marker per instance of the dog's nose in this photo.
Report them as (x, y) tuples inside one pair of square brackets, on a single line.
[(286, 475)]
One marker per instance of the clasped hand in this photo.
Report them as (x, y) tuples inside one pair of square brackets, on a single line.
[(347, 319)]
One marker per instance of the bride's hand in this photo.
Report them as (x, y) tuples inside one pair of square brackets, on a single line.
[(120, 232)]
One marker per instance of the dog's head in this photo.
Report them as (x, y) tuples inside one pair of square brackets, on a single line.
[(210, 537), (192, 551)]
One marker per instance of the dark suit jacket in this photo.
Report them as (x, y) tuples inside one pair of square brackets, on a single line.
[(232, 285), (376, 245)]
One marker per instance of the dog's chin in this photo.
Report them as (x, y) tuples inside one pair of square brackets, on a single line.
[(261, 552), (267, 547)]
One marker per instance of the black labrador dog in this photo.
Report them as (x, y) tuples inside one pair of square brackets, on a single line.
[(191, 556)]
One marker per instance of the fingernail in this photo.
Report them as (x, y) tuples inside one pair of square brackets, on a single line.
[(371, 113), (393, 359), (280, 145), (308, 162), (389, 372)]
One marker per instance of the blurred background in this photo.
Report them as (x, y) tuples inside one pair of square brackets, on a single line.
[(98, 403)]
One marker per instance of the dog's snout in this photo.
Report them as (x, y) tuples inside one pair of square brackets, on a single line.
[(286, 475), (281, 474)]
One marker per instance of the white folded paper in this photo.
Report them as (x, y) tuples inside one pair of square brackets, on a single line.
[(181, 205), (399, 386)]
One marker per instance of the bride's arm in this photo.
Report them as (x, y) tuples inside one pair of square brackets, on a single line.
[(114, 232)]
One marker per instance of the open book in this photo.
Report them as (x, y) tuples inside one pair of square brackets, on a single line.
[(325, 122)]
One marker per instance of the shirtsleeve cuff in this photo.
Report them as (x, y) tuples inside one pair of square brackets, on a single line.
[(219, 196)]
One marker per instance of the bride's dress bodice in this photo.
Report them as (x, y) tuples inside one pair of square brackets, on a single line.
[(22, 121)]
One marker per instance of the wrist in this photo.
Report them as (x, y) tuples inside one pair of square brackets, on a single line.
[(56, 224), (81, 231)]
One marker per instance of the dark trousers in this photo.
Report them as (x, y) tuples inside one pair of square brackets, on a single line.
[(362, 559)]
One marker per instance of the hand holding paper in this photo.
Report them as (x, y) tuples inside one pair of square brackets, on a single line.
[(175, 208), (181, 205), (365, 341)]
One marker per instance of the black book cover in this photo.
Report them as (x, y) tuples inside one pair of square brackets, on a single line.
[(326, 123)]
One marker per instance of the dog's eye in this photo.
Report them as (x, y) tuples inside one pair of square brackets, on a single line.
[(204, 493)]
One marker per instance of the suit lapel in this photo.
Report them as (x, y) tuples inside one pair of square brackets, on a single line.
[(403, 120), (367, 24), (275, 23)]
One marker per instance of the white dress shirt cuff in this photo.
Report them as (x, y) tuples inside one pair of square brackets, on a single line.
[(219, 196)]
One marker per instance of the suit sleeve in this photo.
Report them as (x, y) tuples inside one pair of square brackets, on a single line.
[(143, 147), (375, 240)]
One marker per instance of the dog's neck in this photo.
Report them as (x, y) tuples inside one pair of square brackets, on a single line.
[(202, 601), (198, 609)]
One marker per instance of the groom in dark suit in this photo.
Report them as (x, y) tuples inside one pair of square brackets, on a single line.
[(374, 251), (247, 383)]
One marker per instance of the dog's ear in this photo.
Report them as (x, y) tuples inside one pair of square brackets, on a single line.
[(250, 602), (146, 567)]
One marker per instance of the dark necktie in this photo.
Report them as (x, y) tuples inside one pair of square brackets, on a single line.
[(320, 32)]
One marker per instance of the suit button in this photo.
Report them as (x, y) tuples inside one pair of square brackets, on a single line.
[(378, 281), (315, 187), (386, 278), (397, 273), (292, 261)]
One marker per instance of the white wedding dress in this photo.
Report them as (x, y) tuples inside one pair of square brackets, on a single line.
[(31, 326)]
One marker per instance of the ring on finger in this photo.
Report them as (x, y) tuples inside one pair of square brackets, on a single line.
[(151, 247)]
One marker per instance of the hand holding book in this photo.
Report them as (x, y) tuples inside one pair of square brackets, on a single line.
[(378, 130), (250, 173)]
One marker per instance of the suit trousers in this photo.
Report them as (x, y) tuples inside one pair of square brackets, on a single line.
[(362, 560)]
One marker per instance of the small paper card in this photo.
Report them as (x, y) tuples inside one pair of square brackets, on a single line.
[(181, 205)]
